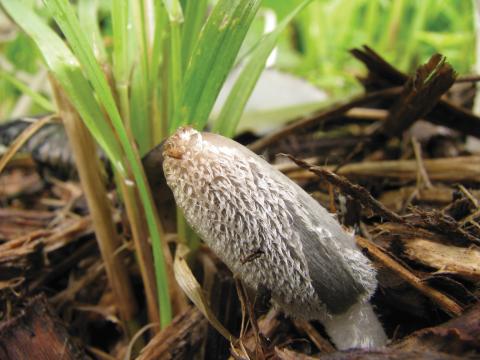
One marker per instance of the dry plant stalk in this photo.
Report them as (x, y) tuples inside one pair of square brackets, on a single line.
[(21, 140), (143, 250), (458, 169), (320, 342), (383, 75), (90, 171), (186, 280), (396, 199), (353, 190), (321, 116), (420, 94)]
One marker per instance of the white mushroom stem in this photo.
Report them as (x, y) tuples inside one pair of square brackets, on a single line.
[(357, 328)]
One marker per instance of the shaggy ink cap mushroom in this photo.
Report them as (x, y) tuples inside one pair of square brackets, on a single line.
[(240, 205)]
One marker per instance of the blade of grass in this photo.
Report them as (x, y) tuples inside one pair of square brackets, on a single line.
[(314, 24), (174, 10), (140, 107), (144, 254), (88, 16), (371, 20), (418, 24), (90, 172), (37, 98), (64, 15), (124, 40), (175, 65), (397, 13), (120, 58), (195, 13), (237, 99), (68, 71), (214, 55), (21, 139), (158, 121), (345, 11), (175, 16), (194, 291)]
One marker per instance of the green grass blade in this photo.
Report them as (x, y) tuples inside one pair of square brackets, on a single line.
[(195, 13), (37, 98), (173, 57), (159, 121), (175, 68), (213, 57), (237, 99), (64, 15), (120, 58), (66, 68), (418, 24), (140, 108), (174, 10), (121, 68), (88, 16)]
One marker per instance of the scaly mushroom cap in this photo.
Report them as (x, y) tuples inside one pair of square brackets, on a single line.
[(267, 229)]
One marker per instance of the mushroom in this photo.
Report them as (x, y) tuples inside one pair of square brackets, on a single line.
[(273, 235)]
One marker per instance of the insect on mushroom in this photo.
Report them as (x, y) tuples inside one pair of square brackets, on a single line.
[(243, 208)]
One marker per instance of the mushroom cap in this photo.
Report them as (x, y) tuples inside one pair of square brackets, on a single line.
[(266, 228)]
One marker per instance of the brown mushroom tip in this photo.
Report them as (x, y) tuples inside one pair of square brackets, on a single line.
[(176, 145)]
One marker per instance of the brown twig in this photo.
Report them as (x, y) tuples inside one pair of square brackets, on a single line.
[(367, 113), (247, 307), (420, 94), (323, 115), (354, 190), (423, 175), (320, 342), (382, 75), (468, 78), (458, 169), (469, 195), (22, 139), (441, 223)]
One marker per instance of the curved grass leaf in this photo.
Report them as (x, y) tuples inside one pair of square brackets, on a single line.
[(67, 70), (37, 97), (140, 106), (212, 59), (232, 110), (195, 13), (88, 16), (174, 10), (121, 61), (64, 15), (194, 291), (21, 139)]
